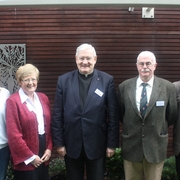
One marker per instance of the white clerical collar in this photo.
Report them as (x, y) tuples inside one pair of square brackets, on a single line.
[(86, 75)]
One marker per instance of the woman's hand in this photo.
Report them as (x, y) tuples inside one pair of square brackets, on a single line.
[(46, 156), (37, 162)]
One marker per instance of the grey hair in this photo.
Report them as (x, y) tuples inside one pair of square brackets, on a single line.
[(147, 54), (85, 46)]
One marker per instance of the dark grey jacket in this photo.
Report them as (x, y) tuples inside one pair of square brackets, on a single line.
[(149, 136), (176, 129)]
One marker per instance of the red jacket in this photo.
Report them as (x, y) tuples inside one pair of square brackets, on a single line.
[(22, 130)]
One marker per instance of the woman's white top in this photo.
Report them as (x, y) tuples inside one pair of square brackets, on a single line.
[(4, 94), (36, 107)]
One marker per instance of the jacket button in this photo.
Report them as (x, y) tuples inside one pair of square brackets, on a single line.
[(143, 136)]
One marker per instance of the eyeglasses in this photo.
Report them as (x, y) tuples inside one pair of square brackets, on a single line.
[(28, 80), (87, 58), (145, 63)]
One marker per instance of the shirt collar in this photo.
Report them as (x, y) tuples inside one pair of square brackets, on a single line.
[(24, 97), (150, 82)]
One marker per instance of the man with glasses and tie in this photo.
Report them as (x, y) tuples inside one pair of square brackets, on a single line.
[(147, 108)]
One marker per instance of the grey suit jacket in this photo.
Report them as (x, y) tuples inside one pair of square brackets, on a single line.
[(176, 129), (146, 137)]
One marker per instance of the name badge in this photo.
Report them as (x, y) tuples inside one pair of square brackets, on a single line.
[(99, 93), (159, 103)]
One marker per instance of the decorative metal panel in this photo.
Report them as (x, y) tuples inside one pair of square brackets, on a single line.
[(12, 56)]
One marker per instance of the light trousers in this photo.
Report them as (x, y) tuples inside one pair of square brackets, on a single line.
[(138, 170)]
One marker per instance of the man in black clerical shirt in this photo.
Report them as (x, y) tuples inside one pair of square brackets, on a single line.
[(85, 124)]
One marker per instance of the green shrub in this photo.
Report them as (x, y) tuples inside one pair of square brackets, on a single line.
[(114, 166), (57, 169), (9, 174), (169, 169)]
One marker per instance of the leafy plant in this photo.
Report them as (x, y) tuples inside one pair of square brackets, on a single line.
[(169, 169), (9, 174), (57, 169), (114, 166)]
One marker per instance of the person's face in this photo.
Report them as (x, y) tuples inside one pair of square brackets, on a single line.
[(146, 68), (29, 84), (85, 61)]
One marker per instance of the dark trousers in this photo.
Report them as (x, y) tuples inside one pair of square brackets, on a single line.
[(94, 168), (40, 173), (178, 166)]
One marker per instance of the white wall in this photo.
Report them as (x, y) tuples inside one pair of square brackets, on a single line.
[(141, 3)]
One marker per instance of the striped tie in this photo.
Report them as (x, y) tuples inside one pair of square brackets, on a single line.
[(143, 101)]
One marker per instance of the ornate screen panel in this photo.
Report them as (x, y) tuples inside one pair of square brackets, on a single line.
[(12, 56)]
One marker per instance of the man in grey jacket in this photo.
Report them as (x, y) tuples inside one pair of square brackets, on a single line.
[(176, 131), (145, 130)]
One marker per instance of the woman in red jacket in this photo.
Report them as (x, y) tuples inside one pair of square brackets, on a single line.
[(28, 127)]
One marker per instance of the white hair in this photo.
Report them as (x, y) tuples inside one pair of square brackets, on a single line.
[(147, 54), (85, 46)]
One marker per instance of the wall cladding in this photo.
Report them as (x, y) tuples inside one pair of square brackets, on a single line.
[(51, 36)]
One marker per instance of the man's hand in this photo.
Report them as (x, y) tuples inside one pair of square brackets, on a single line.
[(61, 151), (110, 152)]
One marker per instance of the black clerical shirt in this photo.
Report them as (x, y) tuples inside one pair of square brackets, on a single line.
[(84, 83)]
